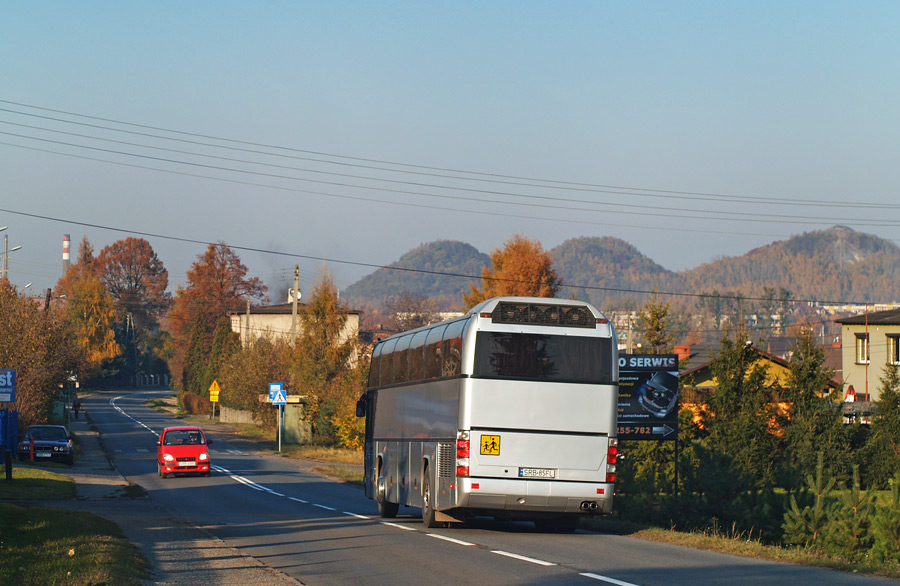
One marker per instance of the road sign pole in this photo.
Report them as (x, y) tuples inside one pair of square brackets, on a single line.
[(280, 419)]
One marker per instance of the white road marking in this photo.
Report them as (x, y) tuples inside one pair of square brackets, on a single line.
[(450, 539), (404, 527), (523, 558), (324, 507), (299, 500), (355, 515), (606, 579)]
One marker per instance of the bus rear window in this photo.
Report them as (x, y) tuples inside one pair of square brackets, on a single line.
[(543, 357)]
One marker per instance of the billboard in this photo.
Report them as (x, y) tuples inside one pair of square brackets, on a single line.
[(648, 397)]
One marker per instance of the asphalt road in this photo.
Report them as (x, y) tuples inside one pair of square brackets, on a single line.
[(319, 532)]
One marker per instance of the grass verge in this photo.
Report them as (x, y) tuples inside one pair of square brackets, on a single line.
[(31, 483), (740, 545), (56, 546)]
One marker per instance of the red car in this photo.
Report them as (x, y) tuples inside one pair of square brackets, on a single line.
[(181, 450)]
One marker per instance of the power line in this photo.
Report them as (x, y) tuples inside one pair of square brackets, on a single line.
[(661, 211), (413, 270), (489, 177)]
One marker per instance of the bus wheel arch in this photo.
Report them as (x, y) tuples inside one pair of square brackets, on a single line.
[(386, 509)]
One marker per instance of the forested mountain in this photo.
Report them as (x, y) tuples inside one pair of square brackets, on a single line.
[(827, 265), (442, 256), (597, 269), (837, 264)]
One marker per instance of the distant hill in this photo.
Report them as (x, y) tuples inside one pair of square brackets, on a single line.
[(606, 267), (442, 256), (826, 265)]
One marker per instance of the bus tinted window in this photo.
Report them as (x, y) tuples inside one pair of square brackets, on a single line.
[(416, 356), (543, 357), (401, 366), (452, 346), (373, 367), (386, 376), (433, 352)]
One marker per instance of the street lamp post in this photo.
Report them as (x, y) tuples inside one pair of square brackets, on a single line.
[(6, 251)]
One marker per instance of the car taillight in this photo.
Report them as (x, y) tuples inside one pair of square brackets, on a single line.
[(611, 453)]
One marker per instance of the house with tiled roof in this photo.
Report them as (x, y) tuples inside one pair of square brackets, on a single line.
[(869, 341)]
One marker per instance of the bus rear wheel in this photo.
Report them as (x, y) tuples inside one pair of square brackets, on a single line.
[(428, 513)]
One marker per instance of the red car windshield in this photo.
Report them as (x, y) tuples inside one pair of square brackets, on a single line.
[(186, 437)]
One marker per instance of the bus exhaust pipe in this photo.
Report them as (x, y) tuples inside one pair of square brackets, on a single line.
[(588, 506)]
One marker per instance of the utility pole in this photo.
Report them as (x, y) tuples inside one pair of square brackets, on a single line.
[(294, 297), (247, 339)]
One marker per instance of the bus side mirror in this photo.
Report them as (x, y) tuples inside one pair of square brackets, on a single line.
[(361, 406)]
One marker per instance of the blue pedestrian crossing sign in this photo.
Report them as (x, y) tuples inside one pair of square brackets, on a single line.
[(277, 394)]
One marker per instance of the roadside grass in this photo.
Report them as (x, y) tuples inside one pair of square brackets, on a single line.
[(48, 546), (339, 464), (36, 483), (740, 544)]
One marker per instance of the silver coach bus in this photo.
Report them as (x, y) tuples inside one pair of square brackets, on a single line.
[(508, 411)]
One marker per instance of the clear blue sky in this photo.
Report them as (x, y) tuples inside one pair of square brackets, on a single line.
[(783, 107)]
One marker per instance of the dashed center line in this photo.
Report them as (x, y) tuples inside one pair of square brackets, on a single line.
[(522, 558), (606, 579)]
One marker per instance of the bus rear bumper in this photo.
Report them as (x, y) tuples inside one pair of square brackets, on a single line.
[(535, 495)]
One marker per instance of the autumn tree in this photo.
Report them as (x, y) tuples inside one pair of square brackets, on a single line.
[(136, 279), (323, 356), (91, 315), (521, 268), (217, 283), (81, 268), (36, 342)]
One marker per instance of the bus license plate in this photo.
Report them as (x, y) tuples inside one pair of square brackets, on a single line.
[(537, 473)]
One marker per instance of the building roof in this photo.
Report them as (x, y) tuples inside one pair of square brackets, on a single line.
[(281, 309), (890, 317)]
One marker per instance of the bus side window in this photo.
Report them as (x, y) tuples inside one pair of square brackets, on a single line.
[(374, 380), (433, 352), (401, 364), (387, 363), (416, 355), (452, 347)]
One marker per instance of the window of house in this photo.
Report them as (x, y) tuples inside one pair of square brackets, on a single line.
[(893, 344), (862, 348)]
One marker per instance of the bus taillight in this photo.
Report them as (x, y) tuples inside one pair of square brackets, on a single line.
[(462, 453), (611, 453)]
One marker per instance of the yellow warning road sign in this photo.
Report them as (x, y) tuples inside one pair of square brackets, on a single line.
[(214, 391)]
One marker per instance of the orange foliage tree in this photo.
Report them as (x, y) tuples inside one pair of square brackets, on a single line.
[(522, 267), (136, 279), (91, 314), (217, 283), (36, 343)]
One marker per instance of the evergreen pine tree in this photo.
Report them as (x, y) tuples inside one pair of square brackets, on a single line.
[(814, 424), (806, 526), (886, 526), (849, 520)]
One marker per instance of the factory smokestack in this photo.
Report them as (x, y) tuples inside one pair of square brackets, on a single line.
[(65, 254)]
